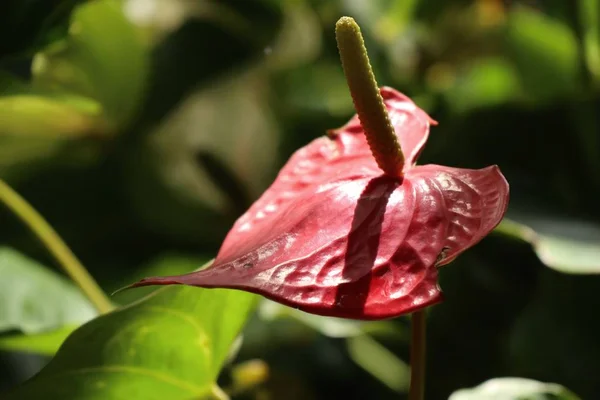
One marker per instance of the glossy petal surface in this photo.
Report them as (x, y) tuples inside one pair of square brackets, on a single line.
[(333, 236)]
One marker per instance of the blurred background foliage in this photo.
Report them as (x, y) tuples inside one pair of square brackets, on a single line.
[(141, 129)]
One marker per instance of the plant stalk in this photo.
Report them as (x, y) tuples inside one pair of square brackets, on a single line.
[(56, 246), (417, 355)]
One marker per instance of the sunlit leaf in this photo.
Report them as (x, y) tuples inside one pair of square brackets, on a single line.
[(514, 389), (169, 345), (34, 299), (566, 245)]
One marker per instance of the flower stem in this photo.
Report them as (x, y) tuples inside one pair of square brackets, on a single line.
[(63, 255), (367, 99), (417, 355)]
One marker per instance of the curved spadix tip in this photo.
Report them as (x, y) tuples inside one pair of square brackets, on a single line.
[(346, 22)]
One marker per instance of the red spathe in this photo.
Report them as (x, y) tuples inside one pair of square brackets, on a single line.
[(334, 236)]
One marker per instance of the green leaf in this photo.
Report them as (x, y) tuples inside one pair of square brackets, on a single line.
[(38, 126), (170, 345), (45, 343), (566, 245), (35, 115), (34, 299), (534, 40), (107, 65), (25, 111), (514, 389)]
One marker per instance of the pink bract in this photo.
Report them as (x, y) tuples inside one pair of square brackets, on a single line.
[(334, 236)]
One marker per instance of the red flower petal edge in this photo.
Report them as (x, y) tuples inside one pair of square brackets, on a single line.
[(334, 236)]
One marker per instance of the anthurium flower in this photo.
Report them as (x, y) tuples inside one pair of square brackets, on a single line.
[(336, 236)]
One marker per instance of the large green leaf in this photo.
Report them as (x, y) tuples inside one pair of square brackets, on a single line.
[(514, 389), (103, 58), (33, 299), (169, 345), (48, 342), (569, 246)]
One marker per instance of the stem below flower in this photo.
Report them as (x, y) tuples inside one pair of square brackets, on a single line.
[(61, 252), (367, 99), (417, 355)]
